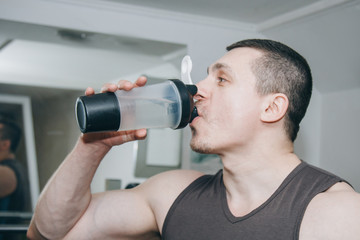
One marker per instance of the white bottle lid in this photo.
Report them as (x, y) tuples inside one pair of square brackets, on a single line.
[(186, 67)]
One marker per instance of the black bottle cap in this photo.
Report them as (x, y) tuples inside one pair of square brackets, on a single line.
[(98, 113), (192, 89), (186, 95)]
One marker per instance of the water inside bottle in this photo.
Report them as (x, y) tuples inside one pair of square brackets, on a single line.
[(150, 111)]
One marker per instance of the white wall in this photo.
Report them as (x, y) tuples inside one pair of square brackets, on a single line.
[(329, 135), (340, 145), (206, 40), (307, 143)]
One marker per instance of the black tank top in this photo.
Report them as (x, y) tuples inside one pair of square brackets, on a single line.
[(19, 199), (201, 211)]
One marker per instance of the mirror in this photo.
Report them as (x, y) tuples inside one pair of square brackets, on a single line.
[(52, 67)]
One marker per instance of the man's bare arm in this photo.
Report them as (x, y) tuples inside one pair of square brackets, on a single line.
[(136, 213), (334, 214), (67, 195), (8, 181)]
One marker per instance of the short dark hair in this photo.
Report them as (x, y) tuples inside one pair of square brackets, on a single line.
[(10, 131), (282, 70)]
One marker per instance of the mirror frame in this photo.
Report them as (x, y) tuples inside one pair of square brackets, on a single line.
[(29, 140)]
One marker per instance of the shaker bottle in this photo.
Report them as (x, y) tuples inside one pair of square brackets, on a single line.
[(167, 104)]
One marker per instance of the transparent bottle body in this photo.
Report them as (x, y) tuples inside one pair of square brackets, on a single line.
[(152, 106)]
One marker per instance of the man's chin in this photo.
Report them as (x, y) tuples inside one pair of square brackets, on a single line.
[(201, 148)]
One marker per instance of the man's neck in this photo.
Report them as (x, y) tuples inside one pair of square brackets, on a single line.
[(252, 176), (6, 155)]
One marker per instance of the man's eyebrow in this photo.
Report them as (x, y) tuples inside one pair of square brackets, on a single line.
[(218, 66)]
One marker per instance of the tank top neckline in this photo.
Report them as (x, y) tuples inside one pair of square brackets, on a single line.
[(233, 219)]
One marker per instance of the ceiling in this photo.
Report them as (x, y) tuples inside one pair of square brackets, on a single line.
[(35, 55), (253, 12), (250, 11)]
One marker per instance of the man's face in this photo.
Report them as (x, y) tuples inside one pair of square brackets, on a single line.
[(228, 105), (3, 144), (1, 127)]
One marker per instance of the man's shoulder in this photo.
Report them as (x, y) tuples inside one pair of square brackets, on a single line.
[(175, 180), (334, 214), (340, 196), (162, 190), (8, 181)]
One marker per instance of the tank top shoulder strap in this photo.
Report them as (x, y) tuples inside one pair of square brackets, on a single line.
[(197, 187)]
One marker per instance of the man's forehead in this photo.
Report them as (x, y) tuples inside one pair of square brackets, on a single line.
[(235, 58), (219, 65)]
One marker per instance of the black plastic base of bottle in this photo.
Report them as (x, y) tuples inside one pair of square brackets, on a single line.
[(98, 113)]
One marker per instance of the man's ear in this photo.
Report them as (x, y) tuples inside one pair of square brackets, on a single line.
[(275, 107)]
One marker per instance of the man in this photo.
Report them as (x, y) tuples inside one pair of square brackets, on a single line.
[(250, 106), (13, 177)]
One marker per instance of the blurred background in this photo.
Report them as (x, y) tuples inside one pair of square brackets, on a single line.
[(51, 50)]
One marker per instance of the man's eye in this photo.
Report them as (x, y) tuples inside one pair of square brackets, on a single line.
[(220, 79)]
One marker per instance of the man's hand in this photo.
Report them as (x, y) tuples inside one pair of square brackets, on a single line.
[(110, 139)]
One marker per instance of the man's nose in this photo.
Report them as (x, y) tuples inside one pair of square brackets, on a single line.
[(201, 93)]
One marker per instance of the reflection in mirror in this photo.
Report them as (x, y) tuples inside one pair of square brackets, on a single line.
[(16, 156), (13, 159), (53, 66)]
